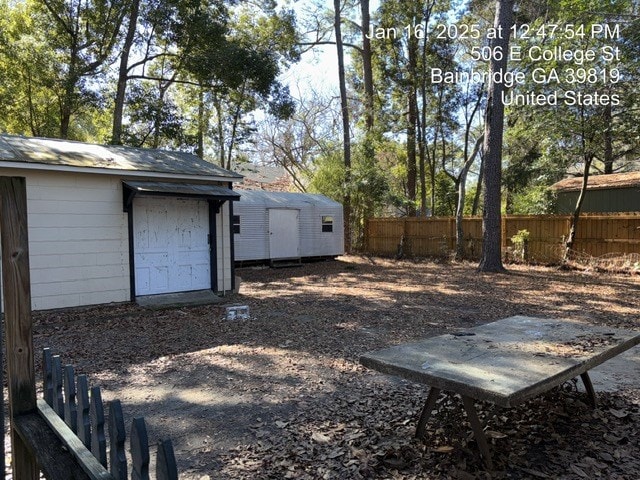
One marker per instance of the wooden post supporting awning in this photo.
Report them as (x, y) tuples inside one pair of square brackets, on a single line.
[(17, 310)]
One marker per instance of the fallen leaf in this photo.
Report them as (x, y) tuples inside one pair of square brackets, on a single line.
[(578, 471), (320, 438), (535, 473), (619, 413), (335, 454), (444, 449)]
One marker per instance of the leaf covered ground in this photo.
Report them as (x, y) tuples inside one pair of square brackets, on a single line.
[(282, 394)]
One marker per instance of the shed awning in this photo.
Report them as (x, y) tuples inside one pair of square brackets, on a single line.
[(177, 189)]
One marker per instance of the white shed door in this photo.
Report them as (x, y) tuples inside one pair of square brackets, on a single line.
[(284, 236), (171, 245)]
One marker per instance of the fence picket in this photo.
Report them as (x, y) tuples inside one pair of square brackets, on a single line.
[(47, 372), (98, 439), (166, 467), (139, 442), (82, 410), (70, 408), (84, 420), (56, 380), (117, 436)]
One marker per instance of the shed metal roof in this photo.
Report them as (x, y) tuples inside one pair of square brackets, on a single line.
[(598, 182), (66, 153)]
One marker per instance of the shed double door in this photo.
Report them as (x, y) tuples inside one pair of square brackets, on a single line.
[(171, 245), (284, 233)]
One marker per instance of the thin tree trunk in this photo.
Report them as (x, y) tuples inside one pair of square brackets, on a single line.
[(461, 196), (367, 68), (476, 198), (494, 128), (234, 128), (608, 140), (422, 127), (123, 72), (201, 123), (573, 227), (346, 137), (462, 179), (217, 104), (412, 120)]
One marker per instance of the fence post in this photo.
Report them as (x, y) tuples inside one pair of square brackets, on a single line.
[(56, 380), (139, 442), (117, 436), (84, 420), (17, 310), (47, 373), (98, 439), (166, 467), (70, 408)]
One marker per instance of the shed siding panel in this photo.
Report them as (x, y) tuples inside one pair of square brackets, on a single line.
[(77, 239), (601, 201), (252, 243), (223, 243)]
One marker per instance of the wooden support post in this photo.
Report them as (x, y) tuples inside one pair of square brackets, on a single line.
[(17, 308)]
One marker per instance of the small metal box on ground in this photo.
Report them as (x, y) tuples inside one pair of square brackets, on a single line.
[(237, 312)]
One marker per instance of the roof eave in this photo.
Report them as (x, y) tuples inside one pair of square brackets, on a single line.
[(118, 172)]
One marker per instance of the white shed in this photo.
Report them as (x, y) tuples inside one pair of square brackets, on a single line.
[(284, 226), (111, 223)]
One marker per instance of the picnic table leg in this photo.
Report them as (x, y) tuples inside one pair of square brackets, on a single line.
[(434, 393), (588, 386), (478, 433)]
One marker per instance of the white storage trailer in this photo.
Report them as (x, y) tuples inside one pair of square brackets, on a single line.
[(274, 226)]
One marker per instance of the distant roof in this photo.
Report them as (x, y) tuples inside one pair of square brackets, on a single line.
[(66, 153), (263, 177), (284, 199), (597, 182)]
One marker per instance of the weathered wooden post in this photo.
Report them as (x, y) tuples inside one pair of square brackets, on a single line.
[(17, 308)]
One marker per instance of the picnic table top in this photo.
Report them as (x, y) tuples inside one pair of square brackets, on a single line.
[(507, 361)]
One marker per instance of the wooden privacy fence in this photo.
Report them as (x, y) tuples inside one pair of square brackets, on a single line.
[(597, 235), (76, 414)]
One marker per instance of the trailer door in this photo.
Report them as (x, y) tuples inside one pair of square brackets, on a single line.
[(284, 233)]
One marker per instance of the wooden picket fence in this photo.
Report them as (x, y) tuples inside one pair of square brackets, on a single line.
[(597, 235), (76, 413)]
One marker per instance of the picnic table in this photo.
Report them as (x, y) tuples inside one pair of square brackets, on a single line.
[(505, 362)]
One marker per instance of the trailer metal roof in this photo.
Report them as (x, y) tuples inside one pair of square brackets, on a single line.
[(283, 199)]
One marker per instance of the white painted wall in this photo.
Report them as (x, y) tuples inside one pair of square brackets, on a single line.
[(78, 244)]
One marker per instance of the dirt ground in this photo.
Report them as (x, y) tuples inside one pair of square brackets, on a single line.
[(282, 394)]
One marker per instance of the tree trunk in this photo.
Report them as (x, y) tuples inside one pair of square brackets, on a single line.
[(367, 68), (202, 124), (217, 104), (608, 140), (234, 126), (123, 72), (422, 127), (476, 198), (571, 238), (412, 120), (461, 197), (494, 127), (346, 137)]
